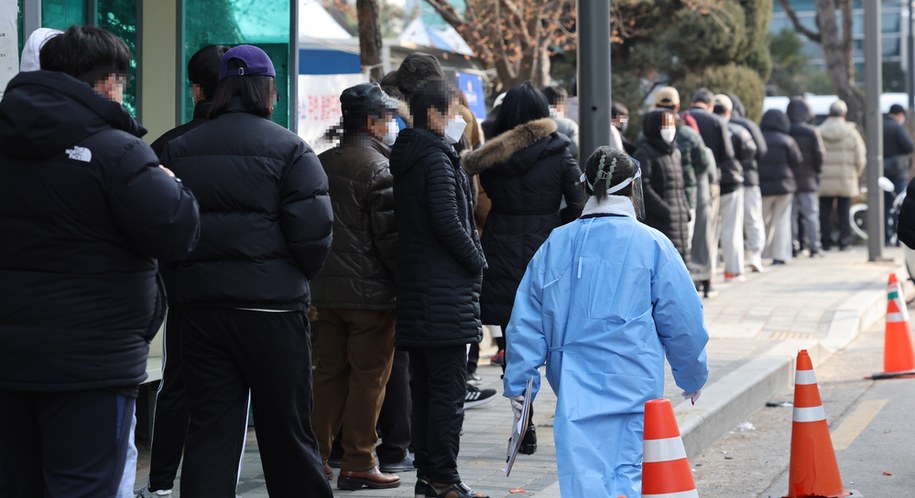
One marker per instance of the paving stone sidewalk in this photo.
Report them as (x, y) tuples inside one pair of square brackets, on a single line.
[(797, 302)]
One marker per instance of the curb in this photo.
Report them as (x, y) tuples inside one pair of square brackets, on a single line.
[(731, 399)]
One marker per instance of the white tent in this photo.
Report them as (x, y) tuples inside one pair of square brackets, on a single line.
[(420, 34), (315, 22)]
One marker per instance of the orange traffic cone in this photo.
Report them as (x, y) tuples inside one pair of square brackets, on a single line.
[(898, 355), (665, 469), (813, 470)]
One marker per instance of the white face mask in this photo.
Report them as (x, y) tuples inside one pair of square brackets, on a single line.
[(668, 134), (391, 135), (455, 129)]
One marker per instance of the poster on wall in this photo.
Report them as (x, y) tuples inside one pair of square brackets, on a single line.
[(319, 105), (472, 86), (9, 42)]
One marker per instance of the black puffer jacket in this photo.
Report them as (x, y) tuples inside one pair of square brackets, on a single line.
[(751, 167), (777, 167), (666, 207), (527, 172), (84, 212), (440, 264), (359, 273), (809, 142), (906, 230), (714, 131), (201, 109), (744, 148), (265, 214)]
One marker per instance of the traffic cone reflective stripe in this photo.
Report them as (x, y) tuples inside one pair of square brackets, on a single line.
[(898, 354), (813, 470), (665, 468)]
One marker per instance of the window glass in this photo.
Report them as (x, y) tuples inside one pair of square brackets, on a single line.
[(264, 23), (120, 18), (61, 14)]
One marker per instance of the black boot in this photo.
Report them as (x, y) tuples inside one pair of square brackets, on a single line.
[(529, 441)]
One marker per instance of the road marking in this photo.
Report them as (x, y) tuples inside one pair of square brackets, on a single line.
[(856, 422)]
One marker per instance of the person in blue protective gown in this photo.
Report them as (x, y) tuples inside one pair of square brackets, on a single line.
[(601, 304)]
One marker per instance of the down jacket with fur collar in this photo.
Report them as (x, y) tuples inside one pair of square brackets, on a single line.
[(527, 172)]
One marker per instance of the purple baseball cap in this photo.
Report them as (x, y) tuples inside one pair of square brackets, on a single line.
[(258, 62)]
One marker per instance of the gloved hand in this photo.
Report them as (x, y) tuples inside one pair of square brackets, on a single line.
[(517, 405), (693, 396)]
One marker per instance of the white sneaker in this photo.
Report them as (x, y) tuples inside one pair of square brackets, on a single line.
[(144, 492)]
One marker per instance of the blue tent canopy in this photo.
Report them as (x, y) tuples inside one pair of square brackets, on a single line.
[(327, 61)]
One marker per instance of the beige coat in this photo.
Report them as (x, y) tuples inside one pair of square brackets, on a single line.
[(845, 158)]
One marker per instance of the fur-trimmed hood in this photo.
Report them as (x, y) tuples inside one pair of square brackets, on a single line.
[(506, 148)]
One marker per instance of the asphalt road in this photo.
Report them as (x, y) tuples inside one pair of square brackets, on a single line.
[(871, 428)]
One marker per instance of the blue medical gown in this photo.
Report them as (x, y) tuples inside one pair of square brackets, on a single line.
[(601, 303)]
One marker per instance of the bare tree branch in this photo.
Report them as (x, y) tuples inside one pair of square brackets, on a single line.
[(800, 28)]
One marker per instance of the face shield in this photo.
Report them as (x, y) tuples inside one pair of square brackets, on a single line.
[(638, 201)]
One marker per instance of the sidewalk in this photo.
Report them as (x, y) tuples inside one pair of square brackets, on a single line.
[(756, 328)]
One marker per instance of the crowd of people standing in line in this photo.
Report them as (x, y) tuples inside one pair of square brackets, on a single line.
[(417, 229)]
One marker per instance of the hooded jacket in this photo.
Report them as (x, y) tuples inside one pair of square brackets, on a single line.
[(715, 134), (440, 260), (84, 213), (809, 143), (266, 219), (666, 207), (359, 273), (744, 149), (527, 172), (846, 158), (777, 167), (751, 167)]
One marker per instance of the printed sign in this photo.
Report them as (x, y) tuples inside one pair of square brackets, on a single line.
[(9, 42), (319, 105)]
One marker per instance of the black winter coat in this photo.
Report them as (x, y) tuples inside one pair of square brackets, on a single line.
[(666, 207), (777, 167), (751, 168), (809, 142), (744, 148), (266, 217), (906, 229), (201, 109), (440, 261), (527, 172), (84, 212), (714, 131), (897, 145), (359, 273)]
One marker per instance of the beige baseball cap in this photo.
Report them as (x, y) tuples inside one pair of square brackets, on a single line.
[(667, 97)]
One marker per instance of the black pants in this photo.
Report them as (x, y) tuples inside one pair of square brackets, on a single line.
[(170, 426), (63, 444), (225, 353), (394, 421), (843, 204), (439, 388)]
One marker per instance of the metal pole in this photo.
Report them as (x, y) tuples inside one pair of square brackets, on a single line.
[(874, 126), (31, 17), (593, 75), (293, 96)]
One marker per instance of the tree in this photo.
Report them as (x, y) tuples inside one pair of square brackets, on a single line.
[(370, 38), (837, 49), (718, 44), (513, 37)]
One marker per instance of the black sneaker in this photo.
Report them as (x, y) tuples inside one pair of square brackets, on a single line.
[(476, 397)]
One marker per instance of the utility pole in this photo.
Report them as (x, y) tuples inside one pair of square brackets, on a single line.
[(593, 76), (873, 121)]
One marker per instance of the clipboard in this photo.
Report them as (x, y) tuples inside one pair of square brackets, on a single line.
[(514, 443)]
